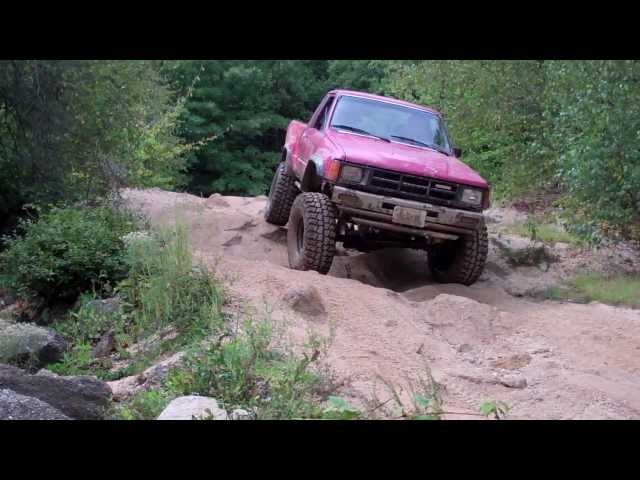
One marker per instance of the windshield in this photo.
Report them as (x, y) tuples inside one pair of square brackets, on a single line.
[(390, 121)]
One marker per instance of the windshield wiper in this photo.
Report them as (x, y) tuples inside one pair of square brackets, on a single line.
[(359, 130), (418, 142)]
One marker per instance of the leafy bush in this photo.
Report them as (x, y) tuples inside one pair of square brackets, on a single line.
[(247, 372), (161, 291), (65, 252)]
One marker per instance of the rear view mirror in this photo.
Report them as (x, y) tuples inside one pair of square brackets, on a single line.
[(457, 152)]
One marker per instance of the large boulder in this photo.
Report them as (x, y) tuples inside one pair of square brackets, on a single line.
[(193, 407), (216, 201), (27, 344), (305, 300), (14, 406), (521, 251), (80, 398), (106, 306)]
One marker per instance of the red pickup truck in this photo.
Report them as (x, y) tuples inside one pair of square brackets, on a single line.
[(375, 172)]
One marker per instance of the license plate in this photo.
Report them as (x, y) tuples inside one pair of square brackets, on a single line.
[(409, 216)]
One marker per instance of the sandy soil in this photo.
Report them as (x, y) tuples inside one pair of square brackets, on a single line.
[(388, 321)]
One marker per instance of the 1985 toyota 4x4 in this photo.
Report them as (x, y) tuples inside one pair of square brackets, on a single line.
[(374, 172)]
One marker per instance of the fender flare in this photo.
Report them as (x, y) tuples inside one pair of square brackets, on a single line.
[(311, 180), (286, 159)]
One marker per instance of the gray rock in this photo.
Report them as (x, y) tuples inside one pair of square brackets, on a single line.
[(9, 313), (193, 407), (152, 377), (234, 240), (81, 398), (305, 300), (105, 345), (14, 406), (6, 301), (105, 306), (241, 414), (522, 251), (514, 382), (506, 216), (27, 344)]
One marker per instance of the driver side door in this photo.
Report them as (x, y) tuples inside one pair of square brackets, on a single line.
[(312, 136)]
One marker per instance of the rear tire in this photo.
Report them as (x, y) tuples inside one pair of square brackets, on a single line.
[(460, 261), (311, 237), (281, 196)]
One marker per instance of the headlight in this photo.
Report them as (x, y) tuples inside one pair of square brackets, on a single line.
[(471, 196), (351, 174)]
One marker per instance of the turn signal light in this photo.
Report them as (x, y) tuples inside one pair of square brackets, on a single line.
[(332, 170)]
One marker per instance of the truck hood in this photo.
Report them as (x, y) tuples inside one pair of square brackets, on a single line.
[(403, 158)]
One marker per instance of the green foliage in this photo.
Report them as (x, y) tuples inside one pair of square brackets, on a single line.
[(498, 409), (338, 409), (544, 232), (362, 75), (539, 125), (77, 361), (65, 252), (248, 105), (146, 405), (85, 324), (76, 129), (165, 288), (596, 119), (247, 372), (493, 111), (162, 290)]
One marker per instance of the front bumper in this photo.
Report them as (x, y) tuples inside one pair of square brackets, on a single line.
[(378, 211)]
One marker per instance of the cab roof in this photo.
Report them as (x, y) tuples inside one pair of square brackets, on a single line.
[(356, 93)]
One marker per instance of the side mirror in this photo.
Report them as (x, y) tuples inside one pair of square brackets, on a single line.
[(457, 152)]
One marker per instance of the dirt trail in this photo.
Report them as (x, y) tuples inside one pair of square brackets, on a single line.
[(389, 320)]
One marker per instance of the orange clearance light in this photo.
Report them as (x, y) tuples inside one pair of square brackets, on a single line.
[(332, 170)]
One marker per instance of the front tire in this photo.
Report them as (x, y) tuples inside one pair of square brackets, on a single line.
[(311, 237), (460, 261), (281, 196)]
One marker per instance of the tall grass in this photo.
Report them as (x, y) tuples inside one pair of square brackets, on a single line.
[(164, 286), (163, 290), (621, 290)]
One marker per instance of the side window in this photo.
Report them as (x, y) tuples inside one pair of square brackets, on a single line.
[(323, 116)]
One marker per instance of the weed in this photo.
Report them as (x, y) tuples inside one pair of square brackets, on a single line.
[(498, 409), (614, 290), (338, 409), (544, 232), (427, 403), (146, 405)]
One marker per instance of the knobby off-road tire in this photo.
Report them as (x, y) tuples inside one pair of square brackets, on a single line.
[(281, 196), (460, 261), (311, 235)]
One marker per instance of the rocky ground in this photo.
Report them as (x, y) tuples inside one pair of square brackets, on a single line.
[(386, 321), (389, 323)]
